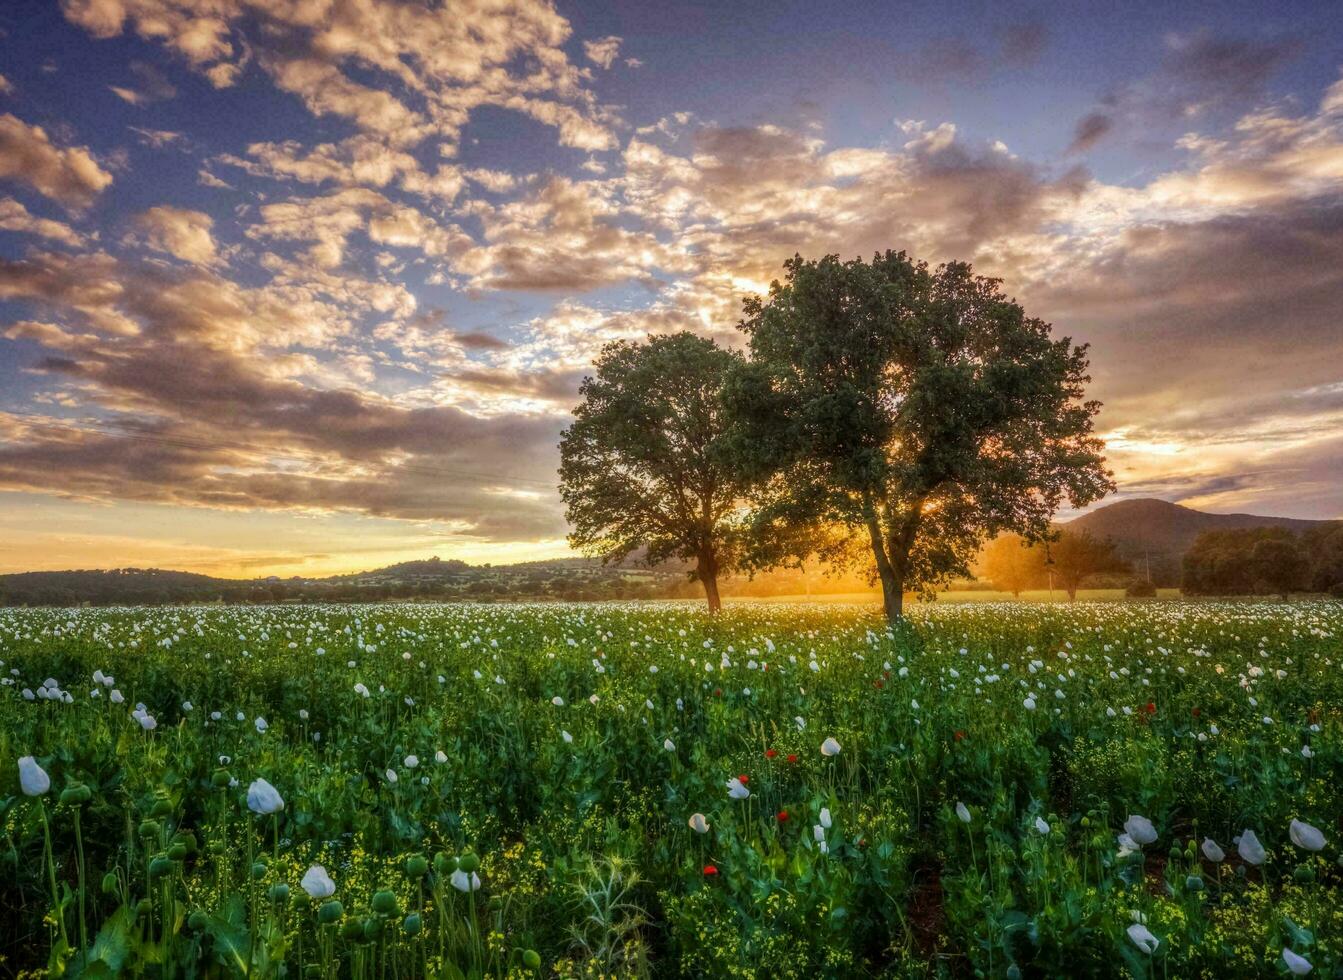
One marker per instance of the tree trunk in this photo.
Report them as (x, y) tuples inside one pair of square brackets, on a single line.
[(892, 581), (892, 597), (706, 569)]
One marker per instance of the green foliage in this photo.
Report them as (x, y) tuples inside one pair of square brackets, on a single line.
[(908, 411), (524, 853), (645, 463), (1264, 561)]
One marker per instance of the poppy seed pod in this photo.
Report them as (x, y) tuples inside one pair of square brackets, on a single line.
[(444, 863), (412, 925), (330, 912), (384, 902), (531, 959), (417, 866), (468, 862), (76, 795)]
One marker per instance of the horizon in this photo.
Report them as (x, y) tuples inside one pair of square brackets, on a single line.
[(281, 298), (568, 553)]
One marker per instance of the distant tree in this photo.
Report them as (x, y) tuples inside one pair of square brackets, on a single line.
[(1075, 556), (1279, 565), (644, 465), (1260, 560), (1012, 564), (910, 411), (1324, 548)]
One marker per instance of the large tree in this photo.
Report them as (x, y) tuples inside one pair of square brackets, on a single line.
[(644, 464), (917, 410)]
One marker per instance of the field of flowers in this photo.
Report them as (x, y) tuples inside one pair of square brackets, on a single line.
[(1146, 789)]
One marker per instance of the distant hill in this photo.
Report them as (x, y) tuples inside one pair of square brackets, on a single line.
[(1158, 533)]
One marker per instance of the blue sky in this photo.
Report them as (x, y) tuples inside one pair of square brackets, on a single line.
[(303, 287)]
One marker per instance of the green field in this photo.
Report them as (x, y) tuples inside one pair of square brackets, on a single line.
[(545, 790)]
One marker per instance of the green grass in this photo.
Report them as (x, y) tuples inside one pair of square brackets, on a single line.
[(1048, 723)]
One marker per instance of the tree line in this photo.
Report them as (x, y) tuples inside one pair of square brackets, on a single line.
[(885, 415), (1266, 561)]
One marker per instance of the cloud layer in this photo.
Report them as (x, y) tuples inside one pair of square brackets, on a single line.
[(356, 320)]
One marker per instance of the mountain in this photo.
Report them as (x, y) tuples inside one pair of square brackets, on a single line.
[(1157, 533)]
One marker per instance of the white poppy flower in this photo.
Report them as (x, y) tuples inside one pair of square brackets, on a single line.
[(263, 798), (317, 883), (698, 823), (829, 748), (1305, 836), (32, 777), (1297, 965), (1140, 829), (1249, 848), (1142, 938), (462, 883)]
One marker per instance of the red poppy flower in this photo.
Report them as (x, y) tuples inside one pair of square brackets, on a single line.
[(878, 684), (1150, 708), (770, 753), (710, 871), (1196, 712), (783, 816), (958, 735), (718, 692), (744, 779), (792, 758)]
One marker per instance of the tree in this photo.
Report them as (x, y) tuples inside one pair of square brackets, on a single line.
[(1255, 560), (1012, 564), (644, 465), (917, 411), (1074, 556)]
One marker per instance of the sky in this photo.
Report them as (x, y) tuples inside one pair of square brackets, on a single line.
[(300, 287)]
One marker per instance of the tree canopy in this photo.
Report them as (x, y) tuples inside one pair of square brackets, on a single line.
[(644, 464), (913, 410)]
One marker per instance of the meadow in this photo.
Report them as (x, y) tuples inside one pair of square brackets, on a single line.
[(1145, 789)]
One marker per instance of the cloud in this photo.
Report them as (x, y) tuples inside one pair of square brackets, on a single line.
[(70, 176), (401, 72), (200, 417), (1023, 43), (181, 232), (1199, 74), (603, 51), (15, 217), (160, 139), (1089, 131)]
